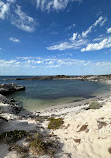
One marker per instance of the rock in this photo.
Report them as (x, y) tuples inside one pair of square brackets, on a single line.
[(12, 100), (19, 88), (16, 108), (86, 108), (6, 89), (3, 99)]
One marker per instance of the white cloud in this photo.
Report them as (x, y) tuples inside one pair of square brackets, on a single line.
[(109, 30), (22, 65), (53, 4), (98, 39), (9, 63), (106, 43), (74, 37), (100, 21), (75, 42), (4, 9), (78, 40), (49, 62), (23, 21), (16, 16), (14, 40), (35, 62), (68, 45), (103, 22)]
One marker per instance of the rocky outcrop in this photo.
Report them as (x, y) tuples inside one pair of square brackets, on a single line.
[(6, 89)]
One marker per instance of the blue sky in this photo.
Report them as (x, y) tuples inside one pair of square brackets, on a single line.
[(50, 37)]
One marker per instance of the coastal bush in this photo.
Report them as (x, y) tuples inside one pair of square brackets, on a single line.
[(42, 145), (55, 123), (12, 136), (94, 105), (38, 146)]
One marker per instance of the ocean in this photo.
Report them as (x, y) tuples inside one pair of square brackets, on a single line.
[(40, 94)]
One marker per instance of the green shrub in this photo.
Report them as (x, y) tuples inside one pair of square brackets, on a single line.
[(41, 145), (94, 105), (55, 123), (12, 136), (38, 145)]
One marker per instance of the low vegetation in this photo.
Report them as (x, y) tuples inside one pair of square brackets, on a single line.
[(55, 123), (20, 150), (41, 118), (94, 105), (42, 145), (12, 136)]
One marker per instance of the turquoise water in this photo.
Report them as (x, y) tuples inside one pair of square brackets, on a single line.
[(41, 94)]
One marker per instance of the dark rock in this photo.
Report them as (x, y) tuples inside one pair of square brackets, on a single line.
[(12, 100), (16, 109), (6, 89), (86, 108)]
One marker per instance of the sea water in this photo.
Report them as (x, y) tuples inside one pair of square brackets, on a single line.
[(40, 94)]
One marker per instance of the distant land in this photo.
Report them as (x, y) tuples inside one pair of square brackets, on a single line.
[(58, 77)]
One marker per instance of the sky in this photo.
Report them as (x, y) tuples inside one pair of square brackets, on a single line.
[(55, 37)]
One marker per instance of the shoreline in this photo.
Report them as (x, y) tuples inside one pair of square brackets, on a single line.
[(60, 105), (67, 107)]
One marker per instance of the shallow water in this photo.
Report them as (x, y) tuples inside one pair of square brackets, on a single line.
[(41, 94)]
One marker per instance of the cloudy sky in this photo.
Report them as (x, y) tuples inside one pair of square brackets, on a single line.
[(49, 37)]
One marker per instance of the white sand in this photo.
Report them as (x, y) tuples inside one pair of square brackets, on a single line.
[(92, 142)]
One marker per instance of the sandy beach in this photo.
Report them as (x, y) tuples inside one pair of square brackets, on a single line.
[(85, 133)]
